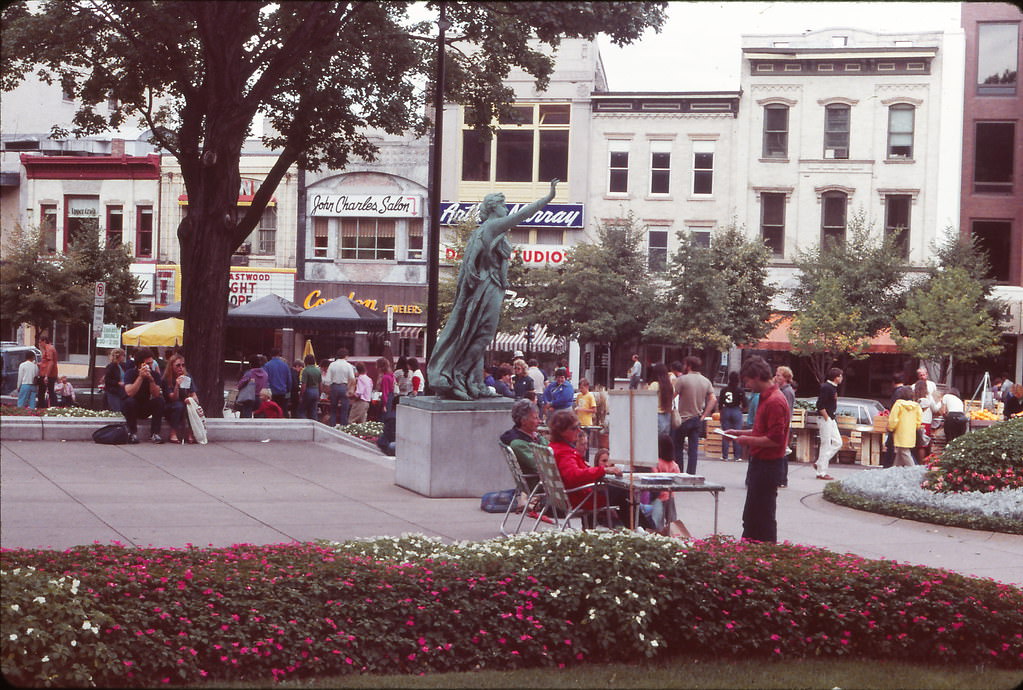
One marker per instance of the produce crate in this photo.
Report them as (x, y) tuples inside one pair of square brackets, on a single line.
[(881, 423), (712, 444), (798, 419)]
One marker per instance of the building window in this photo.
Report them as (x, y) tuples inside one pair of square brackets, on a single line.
[(699, 235), (531, 145), (836, 131), (660, 167), (267, 232), (896, 221), (367, 238), (776, 131), (82, 217), (772, 221), (995, 236), (657, 250), (550, 236), (144, 232), (48, 228), (833, 207), (618, 167), (997, 58), (321, 238), (993, 157), (900, 131), (115, 225), (703, 168), (415, 239)]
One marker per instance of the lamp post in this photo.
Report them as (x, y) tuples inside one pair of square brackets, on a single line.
[(433, 237)]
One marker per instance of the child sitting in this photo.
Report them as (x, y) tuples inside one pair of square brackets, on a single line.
[(663, 506), (267, 407)]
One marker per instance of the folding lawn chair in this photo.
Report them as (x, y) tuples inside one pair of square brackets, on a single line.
[(558, 506), (526, 496)]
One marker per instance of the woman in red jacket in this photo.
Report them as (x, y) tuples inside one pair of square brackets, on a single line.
[(564, 428)]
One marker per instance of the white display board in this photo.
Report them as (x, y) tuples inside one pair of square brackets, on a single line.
[(637, 440)]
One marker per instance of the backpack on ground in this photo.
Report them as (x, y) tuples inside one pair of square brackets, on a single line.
[(111, 434), (497, 501)]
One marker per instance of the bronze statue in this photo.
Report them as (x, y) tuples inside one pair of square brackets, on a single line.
[(456, 364)]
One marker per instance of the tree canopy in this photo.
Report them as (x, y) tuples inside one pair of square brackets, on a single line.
[(39, 289), (322, 74), (717, 296), (602, 293), (829, 328), (941, 320)]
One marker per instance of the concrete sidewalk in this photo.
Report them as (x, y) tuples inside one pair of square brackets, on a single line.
[(58, 494)]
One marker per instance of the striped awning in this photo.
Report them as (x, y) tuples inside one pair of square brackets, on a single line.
[(542, 341), (412, 332)]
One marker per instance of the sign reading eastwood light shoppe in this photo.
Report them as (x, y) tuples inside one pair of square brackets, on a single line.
[(563, 216), (363, 205)]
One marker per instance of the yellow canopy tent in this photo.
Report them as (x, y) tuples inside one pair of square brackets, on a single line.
[(163, 333)]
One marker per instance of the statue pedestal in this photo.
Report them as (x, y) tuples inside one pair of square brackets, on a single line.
[(448, 448)]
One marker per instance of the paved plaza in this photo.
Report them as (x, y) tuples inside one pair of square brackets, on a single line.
[(58, 494)]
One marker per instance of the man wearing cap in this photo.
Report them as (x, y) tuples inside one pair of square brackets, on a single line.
[(559, 394)]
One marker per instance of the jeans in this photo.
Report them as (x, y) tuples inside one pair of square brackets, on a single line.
[(731, 418), (309, 404), (282, 400), (134, 410), (688, 434), (27, 395), (340, 404), (759, 521)]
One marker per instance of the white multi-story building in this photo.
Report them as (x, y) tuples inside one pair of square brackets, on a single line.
[(842, 121)]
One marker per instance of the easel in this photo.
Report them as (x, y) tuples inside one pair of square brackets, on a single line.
[(984, 390)]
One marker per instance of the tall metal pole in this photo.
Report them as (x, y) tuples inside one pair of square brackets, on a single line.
[(433, 238)]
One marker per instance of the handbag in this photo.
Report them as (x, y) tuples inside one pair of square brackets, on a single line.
[(676, 419), (247, 394), (922, 439), (111, 434), (196, 420)]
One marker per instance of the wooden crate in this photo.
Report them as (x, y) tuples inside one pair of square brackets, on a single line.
[(881, 423), (798, 419)]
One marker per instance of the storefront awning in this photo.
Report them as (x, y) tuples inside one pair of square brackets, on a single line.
[(778, 339), (542, 341), (409, 332)]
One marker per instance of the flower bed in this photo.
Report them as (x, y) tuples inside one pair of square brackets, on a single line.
[(368, 431), (115, 616), (13, 411), (976, 483)]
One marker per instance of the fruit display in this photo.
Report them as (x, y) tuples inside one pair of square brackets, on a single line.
[(985, 415)]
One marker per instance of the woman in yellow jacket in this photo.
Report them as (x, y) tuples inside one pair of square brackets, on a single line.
[(903, 421)]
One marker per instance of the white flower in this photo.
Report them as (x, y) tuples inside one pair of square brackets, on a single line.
[(39, 600), (13, 637), (45, 658), (74, 643), (87, 625), (29, 631), (15, 607), (74, 586)]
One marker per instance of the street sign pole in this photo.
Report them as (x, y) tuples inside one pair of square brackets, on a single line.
[(99, 302)]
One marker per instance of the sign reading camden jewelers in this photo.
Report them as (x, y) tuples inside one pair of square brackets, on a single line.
[(563, 216), (366, 205)]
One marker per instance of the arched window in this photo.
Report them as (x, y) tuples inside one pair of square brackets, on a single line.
[(776, 131), (900, 130)]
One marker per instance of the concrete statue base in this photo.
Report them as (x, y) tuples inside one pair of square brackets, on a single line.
[(448, 448)]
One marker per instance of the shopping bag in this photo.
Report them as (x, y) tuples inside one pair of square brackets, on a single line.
[(197, 420), (246, 395)]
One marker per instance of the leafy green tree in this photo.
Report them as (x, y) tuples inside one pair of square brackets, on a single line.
[(32, 284), (866, 268), (87, 263), (941, 321), (717, 296), (322, 74), (602, 293), (39, 289), (829, 329)]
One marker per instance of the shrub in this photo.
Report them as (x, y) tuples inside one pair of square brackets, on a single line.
[(368, 431), (988, 459), (414, 605), (14, 411)]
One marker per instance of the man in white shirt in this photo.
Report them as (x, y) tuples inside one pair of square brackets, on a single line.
[(340, 375), (363, 395), (921, 375), (635, 373), (27, 388), (537, 376)]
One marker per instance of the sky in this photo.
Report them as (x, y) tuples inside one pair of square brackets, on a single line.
[(700, 44)]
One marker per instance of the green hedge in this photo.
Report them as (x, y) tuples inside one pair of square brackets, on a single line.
[(987, 459), (114, 616)]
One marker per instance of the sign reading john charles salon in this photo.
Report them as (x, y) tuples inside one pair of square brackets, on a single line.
[(366, 205)]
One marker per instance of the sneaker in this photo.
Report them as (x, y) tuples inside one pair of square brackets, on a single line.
[(155, 438), (825, 477), (132, 438), (783, 486)]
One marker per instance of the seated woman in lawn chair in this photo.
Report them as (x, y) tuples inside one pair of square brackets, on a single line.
[(525, 421)]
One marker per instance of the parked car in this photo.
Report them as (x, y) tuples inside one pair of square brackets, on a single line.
[(863, 409), (13, 355)]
